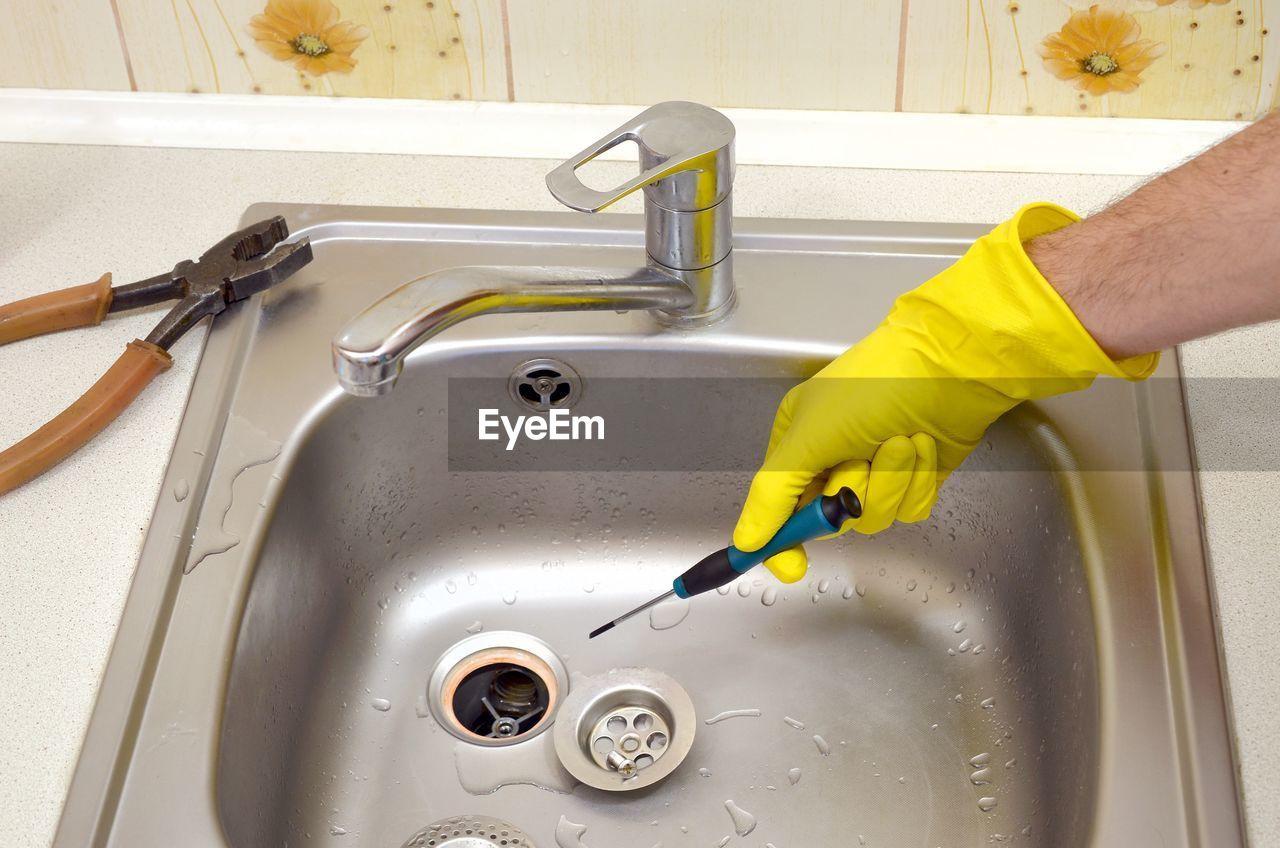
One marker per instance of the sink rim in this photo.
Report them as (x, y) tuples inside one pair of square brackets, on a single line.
[(1190, 645)]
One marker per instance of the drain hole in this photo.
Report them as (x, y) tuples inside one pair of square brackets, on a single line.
[(497, 688), (543, 384), (500, 701), (603, 745), (644, 761)]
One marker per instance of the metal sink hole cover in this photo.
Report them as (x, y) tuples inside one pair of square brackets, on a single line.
[(497, 688), (469, 832), (625, 729), (542, 384)]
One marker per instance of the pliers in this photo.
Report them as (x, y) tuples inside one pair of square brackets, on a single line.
[(239, 266)]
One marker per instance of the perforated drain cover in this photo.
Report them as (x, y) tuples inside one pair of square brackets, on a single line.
[(469, 832), (625, 729)]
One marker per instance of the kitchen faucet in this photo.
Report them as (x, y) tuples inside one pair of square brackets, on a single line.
[(686, 162)]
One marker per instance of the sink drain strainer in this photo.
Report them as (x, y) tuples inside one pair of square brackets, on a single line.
[(469, 832), (542, 384), (624, 730)]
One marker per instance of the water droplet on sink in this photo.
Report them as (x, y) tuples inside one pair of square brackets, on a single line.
[(728, 714), (861, 589), (568, 834), (951, 587), (958, 627), (847, 593), (450, 586), (334, 830), (911, 585), (794, 776), (769, 596), (704, 772), (794, 722), (383, 603), (509, 598), (824, 585), (722, 590), (986, 804), (743, 822), (474, 627), (965, 645), (669, 613), (724, 842), (471, 578), (988, 703), (744, 589), (380, 704), (180, 490), (981, 777), (979, 648), (588, 587), (979, 760), (824, 748)]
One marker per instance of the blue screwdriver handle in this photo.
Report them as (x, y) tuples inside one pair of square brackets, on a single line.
[(822, 516)]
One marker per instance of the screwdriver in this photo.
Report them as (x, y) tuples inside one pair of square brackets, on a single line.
[(822, 516)]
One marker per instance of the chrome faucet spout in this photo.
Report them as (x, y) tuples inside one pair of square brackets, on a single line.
[(369, 352), (687, 168)]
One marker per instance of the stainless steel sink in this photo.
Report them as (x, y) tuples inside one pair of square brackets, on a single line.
[(1035, 665)]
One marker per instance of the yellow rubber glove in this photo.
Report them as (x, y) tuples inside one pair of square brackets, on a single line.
[(900, 410)]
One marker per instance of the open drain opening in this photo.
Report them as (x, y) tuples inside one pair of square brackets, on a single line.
[(500, 701), (497, 688)]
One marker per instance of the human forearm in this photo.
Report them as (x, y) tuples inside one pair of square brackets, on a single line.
[(1193, 252)]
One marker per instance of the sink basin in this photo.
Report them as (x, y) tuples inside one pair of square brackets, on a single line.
[(1035, 665)]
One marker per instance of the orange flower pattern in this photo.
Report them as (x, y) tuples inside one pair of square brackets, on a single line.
[(1099, 50), (308, 33)]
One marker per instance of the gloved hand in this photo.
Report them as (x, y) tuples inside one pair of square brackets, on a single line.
[(896, 413)]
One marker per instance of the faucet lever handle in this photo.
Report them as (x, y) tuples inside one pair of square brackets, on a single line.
[(686, 153)]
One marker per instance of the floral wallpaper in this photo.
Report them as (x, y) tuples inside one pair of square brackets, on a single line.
[(1099, 50), (1158, 58), (308, 34)]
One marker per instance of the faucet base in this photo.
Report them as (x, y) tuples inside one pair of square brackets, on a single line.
[(713, 290)]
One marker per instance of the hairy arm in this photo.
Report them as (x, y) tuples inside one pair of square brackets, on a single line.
[(1193, 252)]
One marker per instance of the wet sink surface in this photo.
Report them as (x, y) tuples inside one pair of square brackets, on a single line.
[(1035, 665)]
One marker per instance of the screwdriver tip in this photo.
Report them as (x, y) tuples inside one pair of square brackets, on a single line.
[(599, 630)]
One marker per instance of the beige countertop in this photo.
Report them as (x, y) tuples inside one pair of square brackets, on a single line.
[(69, 541)]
